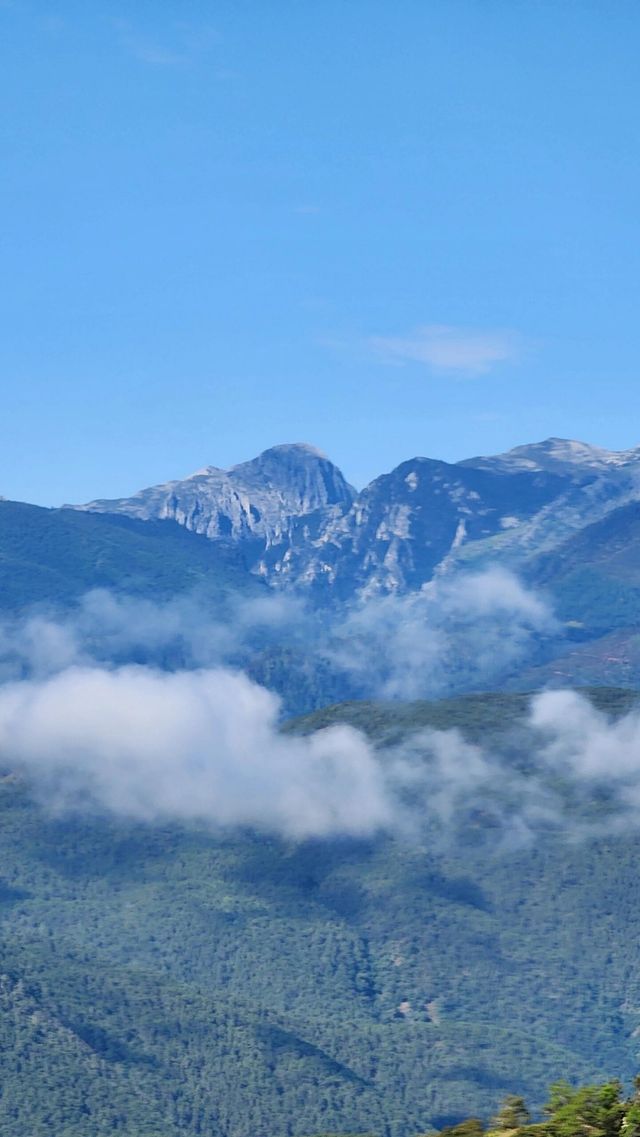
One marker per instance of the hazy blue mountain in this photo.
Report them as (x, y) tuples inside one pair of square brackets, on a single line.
[(594, 575), (594, 579)]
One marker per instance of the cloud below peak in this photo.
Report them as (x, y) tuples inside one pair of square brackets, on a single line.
[(451, 350), (188, 746)]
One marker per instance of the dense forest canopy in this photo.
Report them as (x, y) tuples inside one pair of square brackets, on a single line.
[(168, 980)]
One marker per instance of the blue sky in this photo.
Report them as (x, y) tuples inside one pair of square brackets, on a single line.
[(384, 228)]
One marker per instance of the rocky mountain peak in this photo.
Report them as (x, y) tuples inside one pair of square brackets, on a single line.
[(565, 456), (302, 525), (296, 468), (258, 499)]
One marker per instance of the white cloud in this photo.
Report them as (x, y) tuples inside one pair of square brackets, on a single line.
[(450, 350), (462, 632), (188, 42), (177, 633), (584, 742), (204, 746), (192, 746)]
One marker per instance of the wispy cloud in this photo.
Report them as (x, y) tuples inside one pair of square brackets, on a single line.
[(181, 45), (190, 745), (460, 632), (450, 350), (183, 734)]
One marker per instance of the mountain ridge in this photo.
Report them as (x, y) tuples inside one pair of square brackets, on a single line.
[(555, 454), (303, 526), (251, 500), (288, 522)]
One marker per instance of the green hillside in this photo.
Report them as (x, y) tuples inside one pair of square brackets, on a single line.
[(159, 981), (477, 716), (53, 556)]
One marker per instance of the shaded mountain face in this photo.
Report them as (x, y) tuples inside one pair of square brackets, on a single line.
[(594, 579), (595, 573), (302, 526), (404, 526)]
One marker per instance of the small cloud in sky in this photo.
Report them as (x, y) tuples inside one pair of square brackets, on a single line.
[(490, 416), (186, 43), (450, 350), (157, 56), (52, 24)]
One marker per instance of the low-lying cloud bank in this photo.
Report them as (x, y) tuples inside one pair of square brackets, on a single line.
[(143, 710), (198, 745), (456, 633), (464, 632), (204, 746), (105, 628)]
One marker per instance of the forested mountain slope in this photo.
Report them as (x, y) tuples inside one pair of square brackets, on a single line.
[(54, 556), (163, 980)]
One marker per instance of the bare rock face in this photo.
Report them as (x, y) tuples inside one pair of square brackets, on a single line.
[(257, 500), (405, 525), (300, 525)]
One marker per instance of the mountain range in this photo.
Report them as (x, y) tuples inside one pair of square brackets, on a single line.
[(180, 979), (564, 517), (302, 526), (561, 514)]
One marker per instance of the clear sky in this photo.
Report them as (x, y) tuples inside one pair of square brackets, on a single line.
[(386, 227)]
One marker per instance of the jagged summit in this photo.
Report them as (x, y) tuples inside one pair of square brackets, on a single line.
[(288, 462), (261, 498), (285, 453), (286, 449), (302, 525), (558, 456)]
